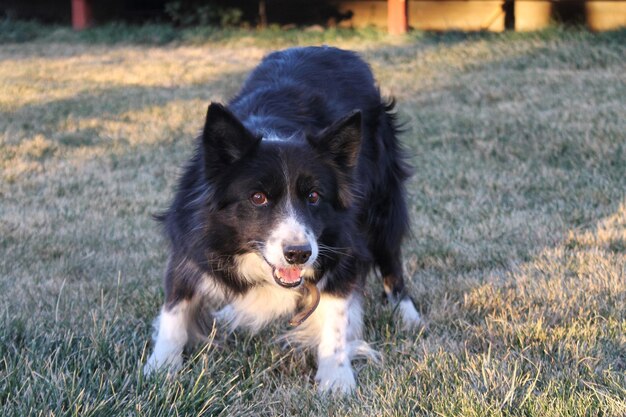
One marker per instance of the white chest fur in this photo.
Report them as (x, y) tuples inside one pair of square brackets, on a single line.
[(258, 307)]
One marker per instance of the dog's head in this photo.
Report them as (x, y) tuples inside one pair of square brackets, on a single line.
[(278, 205)]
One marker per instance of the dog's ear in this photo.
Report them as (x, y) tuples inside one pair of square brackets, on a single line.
[(340, 144), (225, 139), (341, 141)]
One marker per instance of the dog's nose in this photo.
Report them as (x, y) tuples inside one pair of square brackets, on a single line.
[(297, 254)]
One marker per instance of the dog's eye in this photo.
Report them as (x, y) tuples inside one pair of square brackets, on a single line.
[(313, 198), (259, 199)]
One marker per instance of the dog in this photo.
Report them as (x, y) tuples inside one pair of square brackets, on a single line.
[(294, 194)]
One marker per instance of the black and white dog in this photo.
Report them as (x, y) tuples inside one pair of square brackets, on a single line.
[(297, 184)]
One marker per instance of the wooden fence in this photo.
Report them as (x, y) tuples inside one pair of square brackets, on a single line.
[(493, 15)]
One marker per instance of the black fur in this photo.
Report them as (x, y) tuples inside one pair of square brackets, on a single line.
[(342, 142)]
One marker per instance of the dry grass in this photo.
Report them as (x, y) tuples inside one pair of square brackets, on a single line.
[(518, 255)]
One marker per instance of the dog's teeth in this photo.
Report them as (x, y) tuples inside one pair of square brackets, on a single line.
[(288, 275)]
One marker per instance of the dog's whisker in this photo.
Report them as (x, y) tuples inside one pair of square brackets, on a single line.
[(326, 251)]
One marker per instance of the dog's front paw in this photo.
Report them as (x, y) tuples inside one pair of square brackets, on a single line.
[(411, 319), (155, 363), (335, 379)]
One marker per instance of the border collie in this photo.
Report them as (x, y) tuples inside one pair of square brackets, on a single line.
[(294, 193)]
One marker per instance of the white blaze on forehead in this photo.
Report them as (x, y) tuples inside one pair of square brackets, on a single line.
[(289, 232), (273, 137)]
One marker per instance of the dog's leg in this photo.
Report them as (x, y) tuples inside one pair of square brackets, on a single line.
[(339, 320), (385, 239), (393, 283), (395, 290), (170, 337), (389, 220)]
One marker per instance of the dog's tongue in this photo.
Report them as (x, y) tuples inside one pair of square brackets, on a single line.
[(289, 274)]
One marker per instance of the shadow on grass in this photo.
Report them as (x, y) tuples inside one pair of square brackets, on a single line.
[(111, 103)]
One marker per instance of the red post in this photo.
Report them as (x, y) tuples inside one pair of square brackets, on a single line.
[(81, 14), (397, 17)]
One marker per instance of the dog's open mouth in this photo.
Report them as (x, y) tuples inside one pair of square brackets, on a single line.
[(289, 277)]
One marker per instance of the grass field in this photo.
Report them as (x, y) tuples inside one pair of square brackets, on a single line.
[(518, 207)]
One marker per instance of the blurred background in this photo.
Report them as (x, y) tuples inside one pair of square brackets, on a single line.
[(395, 15)]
